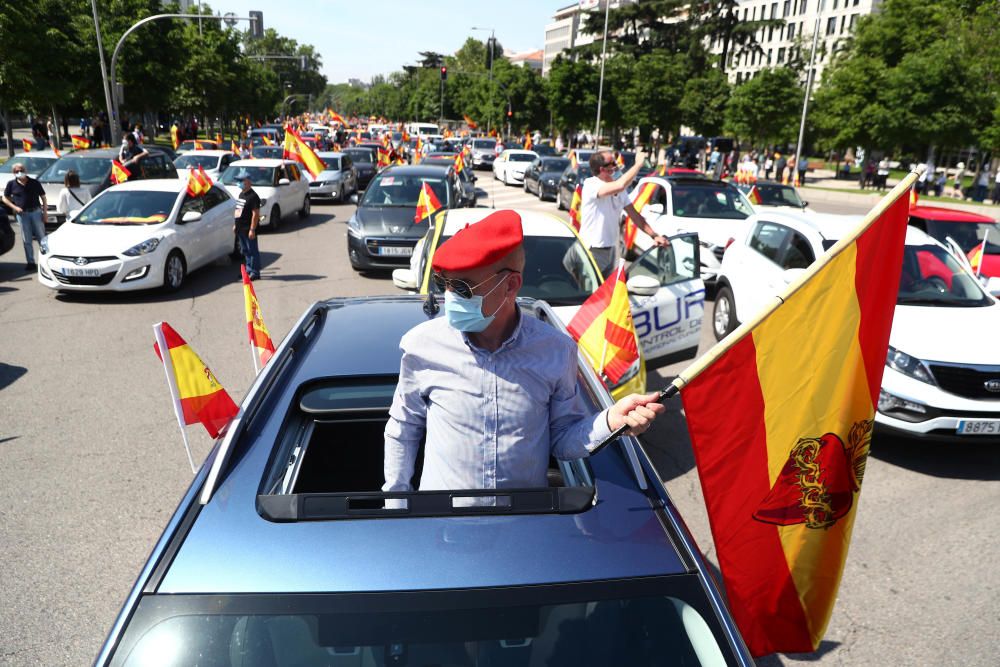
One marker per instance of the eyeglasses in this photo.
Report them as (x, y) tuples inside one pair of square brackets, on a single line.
[(608, 165), (462, 287), (19, 171)]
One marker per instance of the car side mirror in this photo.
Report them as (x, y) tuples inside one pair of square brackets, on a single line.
[(283, 181), (642, 285), (190, 216), (791, 275), (405, 279), (804, 203), (354, 198)]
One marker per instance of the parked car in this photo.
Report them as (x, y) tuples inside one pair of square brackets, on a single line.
[(213, 162), (665, 290), (285, 551), (338, 180), (382, 232), (279, 184), (568, 181), (510, 165), (466, 179), (966, 231), (483, 153), (542, 176), (776, 195), (93, 166), (138, 235), (365, 161), (34, 163)]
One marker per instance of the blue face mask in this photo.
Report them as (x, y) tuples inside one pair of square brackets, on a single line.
[(466, 313), (618, 174)]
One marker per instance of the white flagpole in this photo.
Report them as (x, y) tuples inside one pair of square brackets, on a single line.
[(168, 369), (253, 354)]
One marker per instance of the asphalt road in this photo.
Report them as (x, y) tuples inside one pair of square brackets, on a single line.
[(91, 463)]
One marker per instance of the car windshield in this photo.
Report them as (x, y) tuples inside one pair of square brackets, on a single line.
[(708, 201), (399, 190), (128, 207), (89, 169), (968, 235), (931, 276), (195, 160), (521, 157), (556, 269), (273, 152), (192, 145), (577, 624), (331, 163), (484, 144), (362, 156), (555, 164), (33, 165), (779, 195), (258, 175)]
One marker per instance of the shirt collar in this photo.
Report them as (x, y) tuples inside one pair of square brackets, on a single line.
[(511, 340)]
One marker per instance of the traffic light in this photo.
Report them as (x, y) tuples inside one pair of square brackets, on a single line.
[(256, 24), (444, 73), (509, 112)]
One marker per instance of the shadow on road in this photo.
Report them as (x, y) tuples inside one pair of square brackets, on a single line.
[(294, 223), (667, 442), (775, 661), (10, 374), (292, 278), (966, 460)]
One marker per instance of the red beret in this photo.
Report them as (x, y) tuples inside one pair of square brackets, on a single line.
[(481, 244)]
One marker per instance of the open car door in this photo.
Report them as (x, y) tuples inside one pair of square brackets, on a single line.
[(668, 300)]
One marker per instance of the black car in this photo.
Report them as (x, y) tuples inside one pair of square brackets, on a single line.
[(383, 230), (365, 161), (268, 152), (466, 179), (568, 182), (542, 177)]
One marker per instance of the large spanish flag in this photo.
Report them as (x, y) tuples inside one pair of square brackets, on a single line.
[(780, 415), (261, 344), (575, 205), (603, 328), (298, 150), (198, 395)]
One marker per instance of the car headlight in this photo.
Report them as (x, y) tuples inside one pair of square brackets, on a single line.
[(908, 366), (44, 244), (354, 227), (144, 248)]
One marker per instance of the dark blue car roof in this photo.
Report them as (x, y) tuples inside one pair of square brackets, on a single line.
[(231, 548)]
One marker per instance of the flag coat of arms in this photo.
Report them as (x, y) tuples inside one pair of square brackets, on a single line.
[(780, 415), (198, 396)]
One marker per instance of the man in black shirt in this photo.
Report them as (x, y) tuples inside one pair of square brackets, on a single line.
[(130, 153), (247, 219), (26, 198)]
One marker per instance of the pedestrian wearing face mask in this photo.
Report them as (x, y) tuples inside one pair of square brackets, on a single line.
[(490, 390), (26, 198), (603, 198), (131, 152)]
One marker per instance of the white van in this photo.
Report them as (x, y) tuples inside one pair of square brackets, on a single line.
[(422, 129)]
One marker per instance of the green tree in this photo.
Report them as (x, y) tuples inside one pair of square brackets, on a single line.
[(703, 107), (572, 93), (765, 109), (653, 97)]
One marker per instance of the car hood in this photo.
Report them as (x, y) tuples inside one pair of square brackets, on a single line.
[(91, 240), (390, 220), (955, 335), (551, 174)]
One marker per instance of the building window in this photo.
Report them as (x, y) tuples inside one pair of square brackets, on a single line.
[(857, 2), (774, 10), (781, 55), (843, 23), (831, 25), (787, 8), (754, 14), (770, 33), (769, 57), (854, 20), (791, 31), (739, 77), (803, 6), (835, 4)]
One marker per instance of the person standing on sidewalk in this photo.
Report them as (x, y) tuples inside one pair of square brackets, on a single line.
[(603, 199), (247, 219), (26, 198)]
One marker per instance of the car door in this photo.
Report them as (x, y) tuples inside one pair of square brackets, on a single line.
[(193, 238), (669, 312), (220, 211), (758, 276), (286, 193)]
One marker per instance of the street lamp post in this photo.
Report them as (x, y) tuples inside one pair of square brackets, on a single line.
[(600, 87), (104, 69), (805, 100), (490, 45)]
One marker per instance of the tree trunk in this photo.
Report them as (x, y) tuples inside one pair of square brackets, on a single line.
[(8, 132)]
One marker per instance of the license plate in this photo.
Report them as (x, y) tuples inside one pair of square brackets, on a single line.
[(78, 272), (398, 251), (978, 427)]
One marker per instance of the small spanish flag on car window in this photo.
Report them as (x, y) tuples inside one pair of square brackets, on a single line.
[(427, 203), (119, 174)]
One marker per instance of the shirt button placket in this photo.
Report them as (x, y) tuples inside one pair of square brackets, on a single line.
[(490, 394)]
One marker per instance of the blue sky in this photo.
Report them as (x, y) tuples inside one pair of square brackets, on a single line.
[(361, 39)]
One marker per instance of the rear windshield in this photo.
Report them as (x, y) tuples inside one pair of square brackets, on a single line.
[(779, 195), (663, 621), (363, 156), (258, 175), (89, 169), (555, 164), (331, 163), (389, 189), (521, 157), (484, 143)]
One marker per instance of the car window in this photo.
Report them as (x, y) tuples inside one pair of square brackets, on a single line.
[(671, 264), (709, 201), (195, 204), (767, 239), (799, 254), (294, 172), (214, 197), (346, 162), (90, 169), (931, 276), (263, 176)]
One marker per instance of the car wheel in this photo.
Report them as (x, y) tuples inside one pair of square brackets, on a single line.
[(275, 221), (237, 254), (559, 202), (174, 271), (526, 186), (355, 260), (724, 313), (306, 207)]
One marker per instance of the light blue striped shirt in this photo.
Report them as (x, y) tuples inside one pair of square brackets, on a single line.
[(491, 419)]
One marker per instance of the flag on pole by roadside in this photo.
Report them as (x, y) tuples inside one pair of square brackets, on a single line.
[(197, 395), (427, 203), (298, 150), (119, 174), (780, 415), (574, 207), (80, 142), (468, 121), (604, 330), (261, 345)]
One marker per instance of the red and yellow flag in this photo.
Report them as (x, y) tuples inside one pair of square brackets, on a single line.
[(754, 196), (198, 146), (603, 328), (780, 415), (573, 164), (468, 121), (662, 170), (198, 395), (174, 137), (267, 140), (384, 159), (298, 150), (643, 196), (528, 143), (260, 338), (914, 196), (218, 139), (976, 256), (574, 207), (336, 117), (80, 142), (26, 145), (459, 163), (119, 174), (198, 182), (427, 203), (233, 148), (619, 161), (418, 150)]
